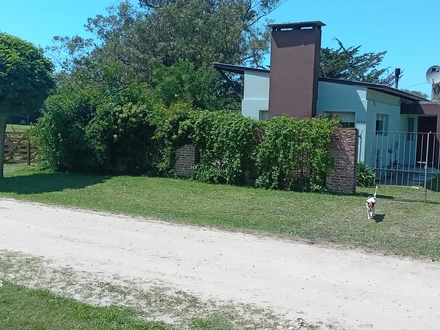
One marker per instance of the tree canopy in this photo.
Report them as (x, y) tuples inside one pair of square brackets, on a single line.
[(350, 64), (201, 31), (25, 75), (149, 41), (25, 81), (418, 93)]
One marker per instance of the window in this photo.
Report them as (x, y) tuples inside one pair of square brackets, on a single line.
[(346, 118), (264, 114), (381, 124), (410, 135), (347, 124)]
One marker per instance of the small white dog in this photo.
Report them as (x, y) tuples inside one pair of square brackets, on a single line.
[(371, 205)]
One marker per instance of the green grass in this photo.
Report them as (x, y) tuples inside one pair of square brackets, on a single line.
[(404, 224), (21, 308), (17, 128), (26, 309)]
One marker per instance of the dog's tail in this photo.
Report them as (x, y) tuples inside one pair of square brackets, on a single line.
[(375, 193)]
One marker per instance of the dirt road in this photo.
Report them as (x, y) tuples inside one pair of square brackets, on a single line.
[(361, 291)]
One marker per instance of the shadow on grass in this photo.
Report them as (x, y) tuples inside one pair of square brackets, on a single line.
[(379, 218), (47, 182), (417, 200)]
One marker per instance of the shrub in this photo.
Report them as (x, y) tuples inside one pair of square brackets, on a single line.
[(227, 141), (87, 130), (60, 133), (185, 82), (295, 153), (366, 177), (120, 134), (174, 127), (132, 131)]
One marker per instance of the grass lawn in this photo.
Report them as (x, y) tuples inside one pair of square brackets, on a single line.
[(404, 224), (21, 308), (17, 128), (25, 309)]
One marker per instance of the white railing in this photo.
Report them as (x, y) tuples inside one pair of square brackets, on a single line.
[(402, 158)]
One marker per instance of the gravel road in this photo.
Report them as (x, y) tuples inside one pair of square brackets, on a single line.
[(359, 290)]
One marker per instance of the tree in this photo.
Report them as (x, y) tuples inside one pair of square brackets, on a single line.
[(350, 64), (160, 33), (25, 81), (418, 93), (200, 87)]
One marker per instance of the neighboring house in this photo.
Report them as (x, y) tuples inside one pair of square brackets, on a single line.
[(388, 119)]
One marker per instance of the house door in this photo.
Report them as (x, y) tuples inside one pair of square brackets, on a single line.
[(426, 125)]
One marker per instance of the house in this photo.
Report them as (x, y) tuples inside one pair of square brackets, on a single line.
[(393, 125)]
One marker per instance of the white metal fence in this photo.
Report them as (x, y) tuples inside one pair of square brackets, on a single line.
[(402, 158)]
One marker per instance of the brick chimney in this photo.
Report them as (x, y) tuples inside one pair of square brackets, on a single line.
[(294, 69)]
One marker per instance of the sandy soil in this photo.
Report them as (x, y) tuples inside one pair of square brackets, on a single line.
[(358, 290)]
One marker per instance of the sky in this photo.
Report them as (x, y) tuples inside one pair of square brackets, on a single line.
[(407, 30)]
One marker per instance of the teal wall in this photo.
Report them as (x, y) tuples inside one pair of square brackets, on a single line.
[(351, 103)]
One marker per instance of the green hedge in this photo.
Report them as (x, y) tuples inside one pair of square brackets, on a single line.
[(174, 127), (84, 130), (227, 142), (295, 153), (289, 153), (133, 132)]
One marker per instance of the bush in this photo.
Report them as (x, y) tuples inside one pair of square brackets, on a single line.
[(174, 127), (295, 153), (227, 142), (120, 134), (366, 177), (60, 133), (184, 82), (131, 131), (88, 131)]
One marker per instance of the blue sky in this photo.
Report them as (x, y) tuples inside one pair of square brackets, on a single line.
[(408, 30)]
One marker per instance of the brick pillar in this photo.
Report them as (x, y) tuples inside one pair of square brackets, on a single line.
[(344, 152), (185, 161)]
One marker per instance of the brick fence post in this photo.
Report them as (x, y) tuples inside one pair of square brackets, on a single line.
[(185, 161), (344, 152)]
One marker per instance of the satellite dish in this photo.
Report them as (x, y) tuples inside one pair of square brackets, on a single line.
[(433, 74)]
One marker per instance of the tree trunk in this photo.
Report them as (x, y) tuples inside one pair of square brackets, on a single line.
[(3, 121)]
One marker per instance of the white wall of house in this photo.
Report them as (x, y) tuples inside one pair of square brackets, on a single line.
[(255, 103), (394, 143), (345, 100), (349, 102), (353, 104)]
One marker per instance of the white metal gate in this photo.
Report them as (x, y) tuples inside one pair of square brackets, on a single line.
[(402, 158)]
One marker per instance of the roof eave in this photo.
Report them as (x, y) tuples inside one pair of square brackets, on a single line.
[(238, 68), (380, 88)]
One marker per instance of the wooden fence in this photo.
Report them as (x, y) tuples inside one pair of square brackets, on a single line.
[(19, 149)]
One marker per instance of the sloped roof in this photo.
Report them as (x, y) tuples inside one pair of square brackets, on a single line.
[(380, 88)]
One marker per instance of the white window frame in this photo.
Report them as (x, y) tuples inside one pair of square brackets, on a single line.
[(384, 119), (263, 115)]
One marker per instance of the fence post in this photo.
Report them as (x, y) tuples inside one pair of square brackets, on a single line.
[(426, 165), (28, 151)]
